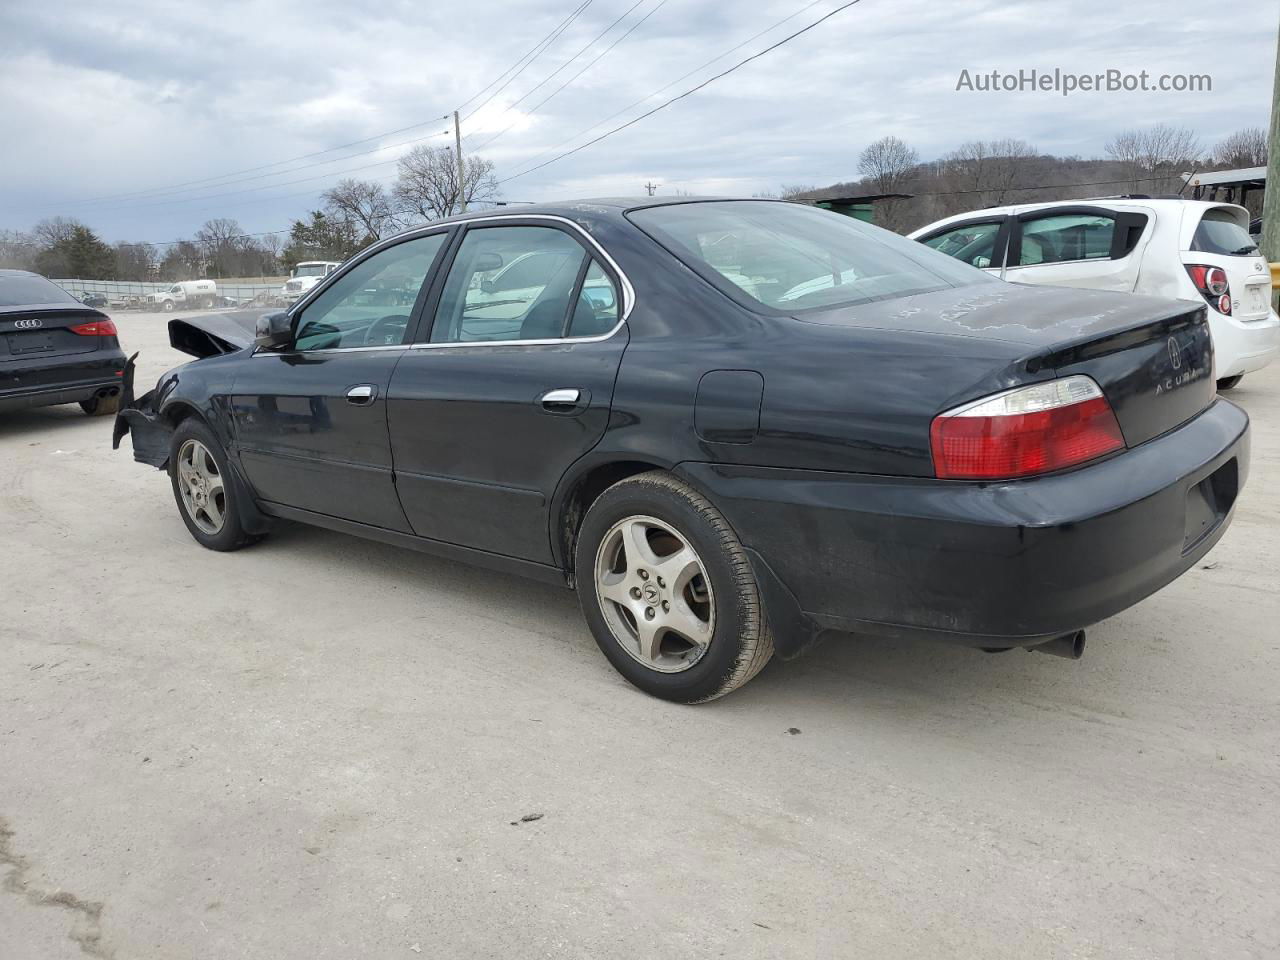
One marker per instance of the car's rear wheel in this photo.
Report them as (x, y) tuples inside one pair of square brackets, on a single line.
[(668, 591), (101, 405), (1229, 383), (203, 488)]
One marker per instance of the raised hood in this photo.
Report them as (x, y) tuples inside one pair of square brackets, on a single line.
[(209, 335)]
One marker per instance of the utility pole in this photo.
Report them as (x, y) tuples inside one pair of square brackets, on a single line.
[(1271, 199), (462, 177), (651, 187)]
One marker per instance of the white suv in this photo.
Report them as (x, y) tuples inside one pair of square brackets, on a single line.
[(1186, 249)]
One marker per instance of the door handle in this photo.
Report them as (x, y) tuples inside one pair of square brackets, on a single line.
[(362, 395), (560, 400)]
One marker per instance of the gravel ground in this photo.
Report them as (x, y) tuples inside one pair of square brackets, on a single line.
[(323, 748)]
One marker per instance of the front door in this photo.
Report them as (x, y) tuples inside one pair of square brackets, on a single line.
[(310, 421), (512, 383)]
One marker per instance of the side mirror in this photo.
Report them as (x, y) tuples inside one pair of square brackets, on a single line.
[(272, 331)]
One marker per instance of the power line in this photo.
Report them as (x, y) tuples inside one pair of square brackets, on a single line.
[(154, 201), (212, 181), (209, 180), (566, 63), (536, 52), (537, 106), (688, 93), (686, 76)]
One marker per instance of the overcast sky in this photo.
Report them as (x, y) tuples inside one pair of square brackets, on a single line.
[(100, 99)]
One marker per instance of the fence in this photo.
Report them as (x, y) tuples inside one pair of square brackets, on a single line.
[(134, 295)]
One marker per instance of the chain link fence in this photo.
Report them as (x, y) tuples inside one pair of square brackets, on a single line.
[(139, 295)]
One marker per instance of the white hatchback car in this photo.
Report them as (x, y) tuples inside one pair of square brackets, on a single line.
[(1186, 249)]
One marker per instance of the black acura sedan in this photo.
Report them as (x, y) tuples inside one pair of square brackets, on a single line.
[(55, 349), (733, 426)]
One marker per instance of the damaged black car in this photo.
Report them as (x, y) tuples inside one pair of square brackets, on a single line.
[(732, 426)]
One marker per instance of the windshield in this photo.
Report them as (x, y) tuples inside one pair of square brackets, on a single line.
[(21, 289), (1219, 233), (311, 270), (792, 257)]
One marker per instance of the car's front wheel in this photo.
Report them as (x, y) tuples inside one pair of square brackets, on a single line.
[(203, 488), (668, 591)]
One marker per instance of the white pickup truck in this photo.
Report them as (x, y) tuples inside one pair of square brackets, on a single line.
[(190, 294), (305, 276)]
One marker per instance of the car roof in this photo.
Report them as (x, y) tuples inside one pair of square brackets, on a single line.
[(1169, 205), (9, 272), (607, 207)]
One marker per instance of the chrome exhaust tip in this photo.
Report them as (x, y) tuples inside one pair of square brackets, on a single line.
[(1069, 646)]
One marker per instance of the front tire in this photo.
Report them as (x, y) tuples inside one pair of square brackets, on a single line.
[(1229, 383), (204, 489), (668, 591)]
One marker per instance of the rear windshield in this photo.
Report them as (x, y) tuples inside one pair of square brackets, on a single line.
[(21, 289), (1219, 233), (791, 257)]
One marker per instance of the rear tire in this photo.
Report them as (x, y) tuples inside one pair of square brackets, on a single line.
[(668, 591), (1229, 383), (101, 406), (204, 488)]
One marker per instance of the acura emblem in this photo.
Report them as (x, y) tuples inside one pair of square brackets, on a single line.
[(1175, 353), (27, 324)]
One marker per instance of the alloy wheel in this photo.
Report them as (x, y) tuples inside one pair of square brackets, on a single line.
[(204, 496), (655, 594)]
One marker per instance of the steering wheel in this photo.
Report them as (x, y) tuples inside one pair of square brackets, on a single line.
[(386, 331)]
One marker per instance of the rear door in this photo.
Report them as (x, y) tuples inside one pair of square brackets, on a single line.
[(510, 383), (1078, 246), (310, 421)]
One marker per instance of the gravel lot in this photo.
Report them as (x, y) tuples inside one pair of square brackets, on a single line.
[(316, 748)]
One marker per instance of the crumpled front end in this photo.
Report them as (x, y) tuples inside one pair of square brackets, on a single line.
[(142, 421)]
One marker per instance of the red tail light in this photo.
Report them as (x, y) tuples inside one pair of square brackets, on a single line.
[(1212, 284), (1023, 432), (95, 328)]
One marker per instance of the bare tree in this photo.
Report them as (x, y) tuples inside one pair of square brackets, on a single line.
[(887, 163), (983, 173), (1152, 159), (17, 250), (794, 191), (885, 167), (365, 203), (136, 261), (54, 230), (427, 185), (1244, 148)]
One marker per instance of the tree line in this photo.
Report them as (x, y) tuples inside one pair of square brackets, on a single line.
[(992, 173), (354, 213)]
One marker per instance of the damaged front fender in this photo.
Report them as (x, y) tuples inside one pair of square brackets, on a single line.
[(142, 421)]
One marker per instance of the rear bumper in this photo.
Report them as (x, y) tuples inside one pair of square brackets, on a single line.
[(990, 565), (36, 383), (1240, 348)]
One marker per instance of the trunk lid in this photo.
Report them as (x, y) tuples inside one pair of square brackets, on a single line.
[(31, 333), (1153, 358)]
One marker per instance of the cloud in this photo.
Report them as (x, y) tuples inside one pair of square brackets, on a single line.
[(109, 99)]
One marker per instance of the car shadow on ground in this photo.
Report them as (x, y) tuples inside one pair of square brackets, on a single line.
[(857, 675), (30, 423)]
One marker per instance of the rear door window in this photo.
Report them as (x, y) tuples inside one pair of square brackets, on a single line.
[(1063, 238), (522, 283)]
